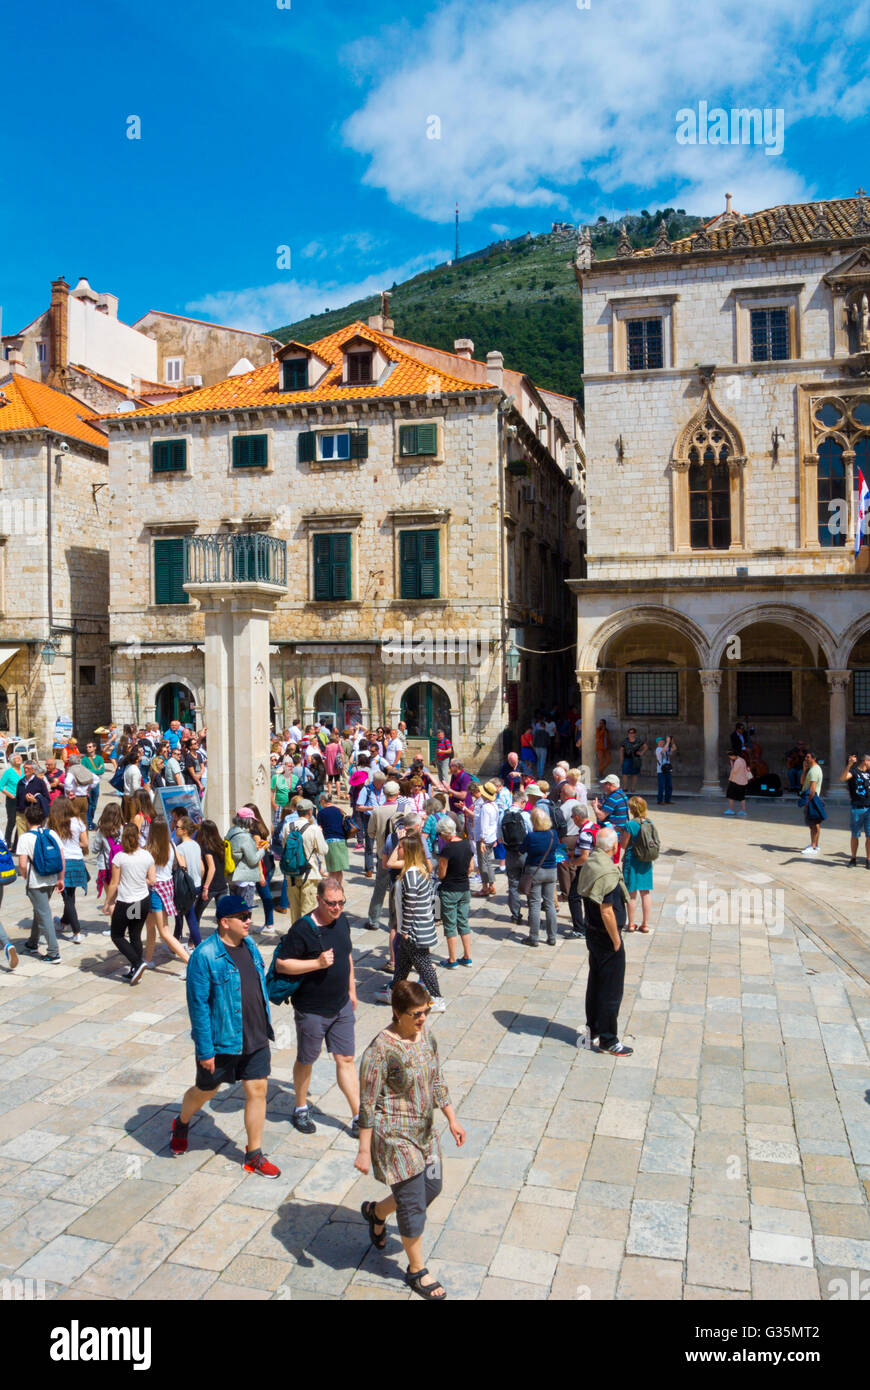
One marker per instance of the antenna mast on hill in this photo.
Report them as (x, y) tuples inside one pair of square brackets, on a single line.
[(456, 253)]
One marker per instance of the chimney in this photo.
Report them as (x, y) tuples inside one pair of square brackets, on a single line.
[(58, 333), (494, 368), (464, 347), (382, 322), (15, 361)]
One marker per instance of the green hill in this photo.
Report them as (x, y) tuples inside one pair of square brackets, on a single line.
[(519, 297)]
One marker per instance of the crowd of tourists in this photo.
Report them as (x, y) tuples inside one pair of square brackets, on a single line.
[(428, 838)]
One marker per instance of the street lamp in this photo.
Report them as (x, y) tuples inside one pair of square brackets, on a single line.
[(48, 651), (512, 661)]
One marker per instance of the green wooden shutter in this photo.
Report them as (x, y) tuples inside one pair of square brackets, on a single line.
[(341, 566), (307, 447), (322, 567), (295, 374), (407, 440), (359, 444), (427, 439), (250, 451), (427, 564), (169, 455), (408, 570), (169, 571)]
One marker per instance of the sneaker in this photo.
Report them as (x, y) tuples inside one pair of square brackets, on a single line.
[(138, 972), (178, 1137), (620, 1050), (77, 939), (576, 935), (853, 864), (384, 996), (11, 956), (31, 950), (258, 1164), (465, 960), (449, 964), (127, 974), (301, 1120), (742, 813), (810, 849), (149, 965), (527, 941), (729, 812), (438, 1005), (52, 960)]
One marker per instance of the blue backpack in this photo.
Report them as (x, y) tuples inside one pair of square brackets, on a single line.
[(281, 988), (117, 778), (47, 858), (293, 861), (7, 863)]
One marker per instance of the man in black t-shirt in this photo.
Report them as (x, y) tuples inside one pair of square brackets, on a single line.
[(318, 949), (454, 863), (602, 889), (857, 778)]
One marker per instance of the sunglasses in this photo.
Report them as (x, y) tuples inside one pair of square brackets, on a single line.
[(334, 902), (421, 1013)]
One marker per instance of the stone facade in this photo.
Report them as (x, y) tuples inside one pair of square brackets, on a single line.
[(76, 686), (495, 494), (207, 351), (659, 596)]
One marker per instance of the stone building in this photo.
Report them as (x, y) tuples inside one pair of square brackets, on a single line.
[(54, 563), (428, 516), (195, 353), (727, 380)]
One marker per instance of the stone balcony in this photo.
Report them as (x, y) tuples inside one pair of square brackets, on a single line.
[(234, 561)]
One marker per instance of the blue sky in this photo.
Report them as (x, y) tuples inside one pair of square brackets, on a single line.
[(312, 127)]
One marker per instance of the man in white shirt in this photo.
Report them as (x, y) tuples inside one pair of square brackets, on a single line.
[(294, 734), (485, 836), (394, 750)]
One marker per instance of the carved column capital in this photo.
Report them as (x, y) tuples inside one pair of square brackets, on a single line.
[(838, 680), (588, 681), (711, 682)]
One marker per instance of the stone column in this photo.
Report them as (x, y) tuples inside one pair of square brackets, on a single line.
[(838, 685), (711, 684), (588, 683), (236, 710)]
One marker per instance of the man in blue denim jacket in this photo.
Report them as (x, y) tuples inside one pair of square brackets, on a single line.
[(231, 1028)]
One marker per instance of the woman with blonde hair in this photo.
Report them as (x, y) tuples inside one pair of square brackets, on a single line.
[(637, 871), (415, 918), (162, 911)]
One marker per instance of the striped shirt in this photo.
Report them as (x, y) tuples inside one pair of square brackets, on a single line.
[(415, 910)]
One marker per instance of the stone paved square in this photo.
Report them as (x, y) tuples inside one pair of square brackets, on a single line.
[(727, 1159)]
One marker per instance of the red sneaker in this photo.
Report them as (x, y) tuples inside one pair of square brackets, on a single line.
[(178, 1141), (262, 1166)]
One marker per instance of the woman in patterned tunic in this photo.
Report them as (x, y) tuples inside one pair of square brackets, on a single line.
[(400, 1088)]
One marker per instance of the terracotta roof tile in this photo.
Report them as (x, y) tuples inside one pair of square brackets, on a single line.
[(763, 228), (33, 405), (408, 376)]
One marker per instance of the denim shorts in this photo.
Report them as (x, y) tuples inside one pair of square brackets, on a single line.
[(859, 820)]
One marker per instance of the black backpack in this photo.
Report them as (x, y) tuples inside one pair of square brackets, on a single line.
[(560, 822), (513, 829)]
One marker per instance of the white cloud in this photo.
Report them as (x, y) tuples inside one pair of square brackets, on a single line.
[(536, 97), (261, 308), (500, 228)]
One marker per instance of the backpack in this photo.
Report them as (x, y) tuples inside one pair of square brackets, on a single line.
[(117, 778), (338, 765), (183, 888), (646, 843), (47, 858), (280, 988), (293, 861), (7, 863), (560, 822), (513, 829), (229, 861)]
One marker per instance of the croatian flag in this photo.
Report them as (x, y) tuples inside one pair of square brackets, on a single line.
[(863, 509)]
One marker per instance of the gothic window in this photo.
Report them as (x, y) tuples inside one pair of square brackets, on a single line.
[(841, 436), (709, 498)]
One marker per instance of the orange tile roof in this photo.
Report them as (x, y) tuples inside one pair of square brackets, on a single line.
[(409, 377), (32, 405), (763, 228)]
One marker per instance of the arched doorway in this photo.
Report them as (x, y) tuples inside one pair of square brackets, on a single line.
[(425, 710), (174, 701), (337, 704)]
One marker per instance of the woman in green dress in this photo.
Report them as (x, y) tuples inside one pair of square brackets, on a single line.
[(400, 1088)]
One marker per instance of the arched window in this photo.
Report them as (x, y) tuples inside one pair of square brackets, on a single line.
[(710, 496), (832, 519)]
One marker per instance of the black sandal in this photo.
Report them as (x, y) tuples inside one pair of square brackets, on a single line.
[(368, 1211), (430, 1291)]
